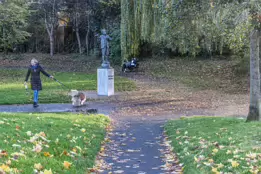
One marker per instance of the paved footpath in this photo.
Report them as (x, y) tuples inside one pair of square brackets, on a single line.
[(91, 107), (137, 147)]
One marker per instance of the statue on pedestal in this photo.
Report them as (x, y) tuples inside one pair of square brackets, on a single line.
[(105, 49)]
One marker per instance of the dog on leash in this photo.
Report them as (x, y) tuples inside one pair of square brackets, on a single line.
[(78, 98)]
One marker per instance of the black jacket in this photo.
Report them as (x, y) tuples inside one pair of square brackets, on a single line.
[(36, 83)]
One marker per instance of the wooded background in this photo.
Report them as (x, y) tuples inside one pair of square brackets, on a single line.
[(138, 27), (58, 26)]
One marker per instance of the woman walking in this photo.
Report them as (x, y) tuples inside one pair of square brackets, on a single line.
[(36, 84)]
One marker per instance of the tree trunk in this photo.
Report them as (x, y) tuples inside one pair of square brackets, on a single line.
[(260, 57), (259, 45), (78, 39), (87, 43), (87, 36), (5, 50), (94, 42), (36, 44), (51, 42), (51, 36), (77, 16), (254, 112)]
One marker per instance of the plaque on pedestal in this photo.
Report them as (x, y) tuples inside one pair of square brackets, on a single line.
[(105, 81)]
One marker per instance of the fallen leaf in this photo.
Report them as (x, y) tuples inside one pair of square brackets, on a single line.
[(47, 154), (3, 153), (38, 148), (74, 150), (214, 170), (65, 153), (211, 160), (9, 162), (130, 150), (228, 152), (219, 166), (234, 164), (42, 134), (38, 166), (29, 133), (251, 155), (215, 150), (17, 127), (66, 164), (48, 171), (235, 151), (6, 168), (16, 145), (83, 130)]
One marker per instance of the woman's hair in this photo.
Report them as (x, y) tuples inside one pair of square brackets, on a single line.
[(34, 61)]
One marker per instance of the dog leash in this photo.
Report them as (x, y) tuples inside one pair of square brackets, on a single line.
[(61, 83)]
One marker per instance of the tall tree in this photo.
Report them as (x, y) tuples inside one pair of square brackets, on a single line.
[(254, 110), (88, 23), (84, 20), (77, 20), (51, 20), (51, 9), (255, 101)]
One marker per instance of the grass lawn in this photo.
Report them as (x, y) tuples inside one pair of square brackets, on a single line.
[(63, 143), (12, 90), (198, 74), (215, 144)]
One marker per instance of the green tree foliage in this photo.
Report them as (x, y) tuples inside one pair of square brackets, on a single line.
[(115, 46), (191, 27), (13, 22), (38, 42), (84, 19)]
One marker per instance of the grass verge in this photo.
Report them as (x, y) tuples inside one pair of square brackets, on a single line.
[(216, 144), (62, 143), (12, 90)]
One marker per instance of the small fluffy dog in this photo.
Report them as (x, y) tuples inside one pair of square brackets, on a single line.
[(78, 98)]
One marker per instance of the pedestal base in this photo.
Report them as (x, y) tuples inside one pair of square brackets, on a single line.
[(106, 64), (105, 81)]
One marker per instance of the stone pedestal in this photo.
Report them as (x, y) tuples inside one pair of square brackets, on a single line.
[(105, 81)]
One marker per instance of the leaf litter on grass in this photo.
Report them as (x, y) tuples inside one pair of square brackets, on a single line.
[(230, 151), (34, 143)]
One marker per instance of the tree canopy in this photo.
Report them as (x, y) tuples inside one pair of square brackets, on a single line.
[(40, 25), (13, 22), (189, 27)]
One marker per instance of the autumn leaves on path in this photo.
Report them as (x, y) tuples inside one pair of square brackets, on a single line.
[(137, 147)]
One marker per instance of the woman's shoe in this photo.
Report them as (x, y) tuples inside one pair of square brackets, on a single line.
[(35, 105)]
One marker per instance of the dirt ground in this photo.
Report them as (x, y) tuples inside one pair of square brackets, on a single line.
[(172, 98)]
